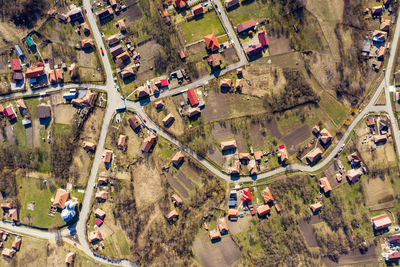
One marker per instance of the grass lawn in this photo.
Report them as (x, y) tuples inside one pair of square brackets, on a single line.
[(195, 30), (252, 10), (336, 111)]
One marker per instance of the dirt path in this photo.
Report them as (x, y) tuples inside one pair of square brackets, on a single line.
[(29, 136), (307, 230), (10, 134)]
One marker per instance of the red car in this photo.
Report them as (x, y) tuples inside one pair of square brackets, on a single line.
[(85, 10), (252, 211), (102, 52)]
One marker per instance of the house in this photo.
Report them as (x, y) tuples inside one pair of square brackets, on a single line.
[(112, 40), (43, 111), (101, 196), (252, 166), (18, 77), (16, 245), (148, 143), (128, 72), (262, 38), (30, 42), (239, 84), (268, 197), (366, 48), (121, 144), (73, 71), (15, 65), (339, 177), (379, 36), (245, 26), (278, 208), (87, 100), (86, 43), (116, 50), (394, 239), (324, 185), (5, 206), (197, 10), (214, 235), (326, 137), (182, 54), (382, 52), (21, 105), (168, 120), (244, 157), (56, 76), (107, 156), (214, 60), (232, 214), (376, 11), (371, 122), (134, 122), (179, 4), (99, 213), (19, 51), (34, 72), (177, 159), (380, 139), (395, 256), (176, 200), (113, 3), (239, 72), (231, 3), (211, 42), (85, 28), (222, 226), (254, 50), (61, 197), (263, 210), (316, 130), (75, 14), (193, 100), (9, 113), (104, 13), (354, 158), (172, 216), (191, 112), (381, 222), (122, 57), (316, 207), (314, 155), (13, 213), (235, 169), (103, 179), (95, 237), (142, 92), (228, 145), (69, 259), (62, 17), (225, 84), (162, 83), (121, 25), (283, 154), (385, 25), (8, 253), (377, 65), (354, 175)]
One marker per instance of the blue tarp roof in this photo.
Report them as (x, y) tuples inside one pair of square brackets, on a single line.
[(33, 80)]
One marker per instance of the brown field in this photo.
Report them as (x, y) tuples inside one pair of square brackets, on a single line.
[(177, 185), (10, 35), (133, 11), (222, 253), (240, 142), (308, 231), (147, 52), (215, 107), (377, 191), (278, 44), (221, 131), (215, 155), (187, 182), (257, 135), (295, 137), (230, 56), (355, 258), (64, 113)]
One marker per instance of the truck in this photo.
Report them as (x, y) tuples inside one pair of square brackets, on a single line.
[(120, 109)]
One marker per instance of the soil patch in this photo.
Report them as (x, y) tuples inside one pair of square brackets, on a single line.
[(222, 253), (295, 137), (354, 257), (174, 183), (215, 155), (307, 230), (221, 131), (273, 129), (240, 142), (278, 44), (147, 52), (216, 107), (36, 133), (185, 180), (133, 11), (64, 114), (257, 136), (29, 136), (10, 134), (378, 191), (230, 56)]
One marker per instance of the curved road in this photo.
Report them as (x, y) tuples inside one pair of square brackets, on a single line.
[(114, 101)]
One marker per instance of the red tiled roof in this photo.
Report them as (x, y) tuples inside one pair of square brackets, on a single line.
[(15, 65), (9, 112), (164, 82), (262, 38), (246, 25), (192, 97), (180, 3), (198, 9), (33, 72), (211, 42)]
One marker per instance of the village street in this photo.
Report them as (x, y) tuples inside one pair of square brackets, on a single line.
[(115, 100)]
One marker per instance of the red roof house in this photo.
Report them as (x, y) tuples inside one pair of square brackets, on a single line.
[(197, 10), (15, 65), (192, 97), (262, 38), (254, 50), (211, 42), (381, 222), (247, 25), (163, 82), (9, 113), (246, 195), (34, 72), (180, 3)]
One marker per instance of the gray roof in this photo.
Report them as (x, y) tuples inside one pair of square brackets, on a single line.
[(43, 111)]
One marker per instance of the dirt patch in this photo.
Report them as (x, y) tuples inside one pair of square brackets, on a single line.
[(378, 191), (10, 35), (222, 253), (221, 131), (36, 133), (273, 129), (133, 11), (331, 172), (296, 137), (257, 135), (147, 52), (64, 114), (216, 107), (187, 182), (92, 128), (10, 134), (215, 155), (242, 224), (174, 183), (29, 136), (354, 258), (278, 44), (307, 230), (230, 56), (241, 145)]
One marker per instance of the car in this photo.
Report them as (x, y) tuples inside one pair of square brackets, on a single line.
[(252, 211), (102, 52), (342, 146), (85, 10), (144, 121)]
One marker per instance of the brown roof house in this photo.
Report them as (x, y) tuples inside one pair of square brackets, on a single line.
[(225, 84), (239, 85), (214, 60), (324, 185), (316, 130), (88, 146), (95, 237), (13, 213), (121, 144), (101, 196), (326, 137), (99, 213), (69, 259), (244, 157), (231, 3), (8, 253), (121, 25), (159, 104), (263, 210), (232, 214), (314, 155), (107, 157), (354, 175), (134, 122), (112, 40), (172, 216), (43, 111), (61, 197), (86, 43), (228, 145), (235, 169), (268, 197), (385, 26), (380, 139), (316, 207), (142, 92), (252, 167), (16, 245), (178, 159), (176, 200), (222, 226), (168, 120), (214, 235), (148, 143), (87, 100), (191, 112)]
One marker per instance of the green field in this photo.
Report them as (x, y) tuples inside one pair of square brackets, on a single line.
[(195, 30), (336, 111), (252, 10)]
